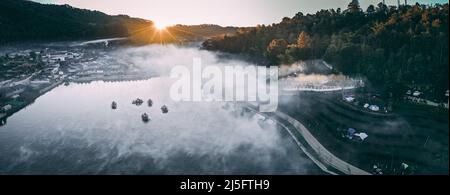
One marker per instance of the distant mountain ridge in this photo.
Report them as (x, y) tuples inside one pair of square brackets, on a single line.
[(23, 20), (202, 30)]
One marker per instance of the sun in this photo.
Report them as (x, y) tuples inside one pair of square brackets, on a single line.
[(160, 26)]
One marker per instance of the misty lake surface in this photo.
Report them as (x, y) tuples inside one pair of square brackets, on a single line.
[(73, 130)]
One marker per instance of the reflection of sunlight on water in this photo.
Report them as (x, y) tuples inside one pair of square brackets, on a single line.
[(75, 124)]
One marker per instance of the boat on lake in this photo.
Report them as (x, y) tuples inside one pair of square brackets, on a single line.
[(114, 105), (164, 109), (145, 117), (150, 103)]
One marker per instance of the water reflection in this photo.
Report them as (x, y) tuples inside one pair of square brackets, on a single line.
[(73, 130)]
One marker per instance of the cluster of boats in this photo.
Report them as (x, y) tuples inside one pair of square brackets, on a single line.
[(139, 102)]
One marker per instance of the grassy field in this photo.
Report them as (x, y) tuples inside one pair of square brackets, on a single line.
[(415, 135)]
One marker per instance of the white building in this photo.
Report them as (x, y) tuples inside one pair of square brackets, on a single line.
[(349, 99), (366, 105), (362, 136), (374, 108), (6, 108)]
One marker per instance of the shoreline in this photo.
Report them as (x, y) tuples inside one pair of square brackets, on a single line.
[(324, 159)]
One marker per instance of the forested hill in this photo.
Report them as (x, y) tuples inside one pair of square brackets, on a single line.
[(394, 47), (22, 20)]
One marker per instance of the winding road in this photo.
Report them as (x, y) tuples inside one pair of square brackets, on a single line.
[(323, 158)]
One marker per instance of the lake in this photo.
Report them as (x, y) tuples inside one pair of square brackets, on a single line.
[(72, 130)]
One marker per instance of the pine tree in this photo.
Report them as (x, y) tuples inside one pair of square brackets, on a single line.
[(354, 6)]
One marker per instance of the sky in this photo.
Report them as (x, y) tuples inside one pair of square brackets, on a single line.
[(222, 12)]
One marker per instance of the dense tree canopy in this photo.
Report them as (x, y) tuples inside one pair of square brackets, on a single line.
[(394, 47)]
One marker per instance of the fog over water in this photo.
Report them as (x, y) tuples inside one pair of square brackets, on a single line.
[(73, 130)]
